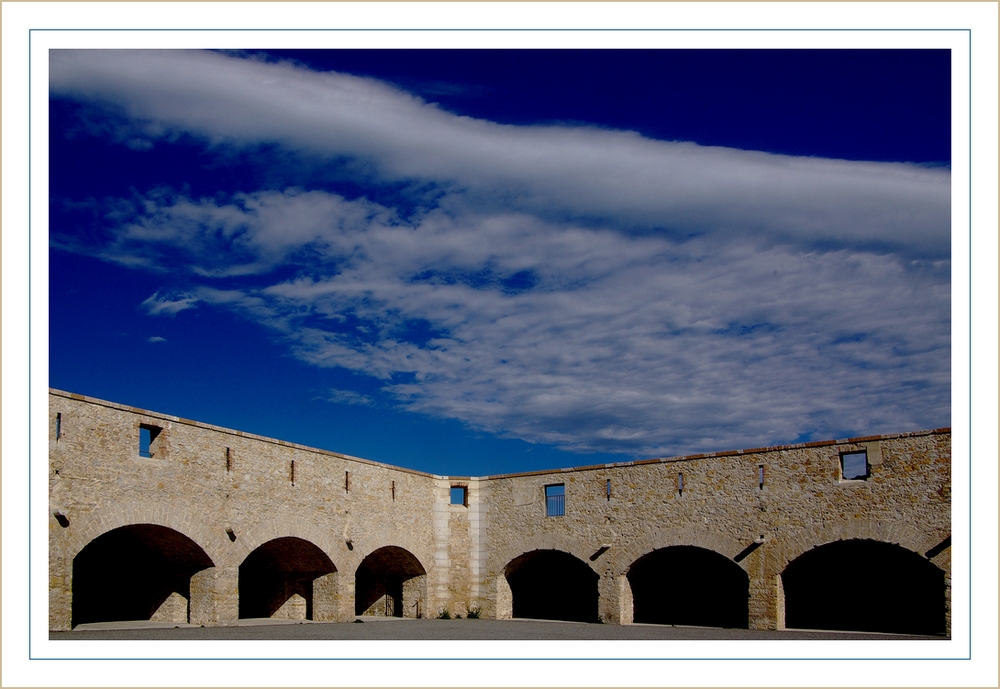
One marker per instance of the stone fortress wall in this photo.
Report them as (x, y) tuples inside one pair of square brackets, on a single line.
[(216, 524)]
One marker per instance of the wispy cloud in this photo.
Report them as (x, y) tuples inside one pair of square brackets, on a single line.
[(618, 178), (567, 285), (156, 339), (349, 397), (598, 341), (161, 304)]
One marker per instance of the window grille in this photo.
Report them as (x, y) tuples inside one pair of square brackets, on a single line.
[(555, 500)]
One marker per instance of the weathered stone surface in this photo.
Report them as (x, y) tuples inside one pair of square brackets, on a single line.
[(231, 492)]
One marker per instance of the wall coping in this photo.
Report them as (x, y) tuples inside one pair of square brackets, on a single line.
[(541, 472)]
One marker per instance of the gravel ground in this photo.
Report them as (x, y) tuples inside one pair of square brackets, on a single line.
[(457, 630)]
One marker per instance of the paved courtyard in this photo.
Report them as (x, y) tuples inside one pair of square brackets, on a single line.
[(374, 629)]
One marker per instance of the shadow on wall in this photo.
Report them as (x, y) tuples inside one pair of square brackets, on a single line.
[(390, 582), (136, 572), (276, 579), (552, 585), (687, 585), (864, 585)]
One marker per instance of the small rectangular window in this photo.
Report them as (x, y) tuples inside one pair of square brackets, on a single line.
[(58, 426), (607, 490), (555, 500), (760, 477), (854, 466), (147, 440), (459, 495), (680, 484)]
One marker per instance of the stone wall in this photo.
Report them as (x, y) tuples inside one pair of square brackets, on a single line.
[(228, 493), (804, 503), (272, 489)]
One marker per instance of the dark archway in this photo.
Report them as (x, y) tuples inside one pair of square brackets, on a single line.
[(552, 585), (278, 576), (132, 572), (864, 585), (390, 582), (687, 585)]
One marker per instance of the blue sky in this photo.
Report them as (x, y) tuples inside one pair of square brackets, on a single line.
[(475, 262)]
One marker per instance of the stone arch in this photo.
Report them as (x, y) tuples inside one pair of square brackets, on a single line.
[(249, 538), (391, 582), (85, 528), (582, 551), (136, 572), (689, 585), (865, 585), (788, 547), (553, 585), (276, 579), (626, 554)]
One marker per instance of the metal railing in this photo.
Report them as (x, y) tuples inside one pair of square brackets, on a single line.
[(555, 505)]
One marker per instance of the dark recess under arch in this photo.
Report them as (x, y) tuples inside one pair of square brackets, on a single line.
[(128, 572), (276, 571), (864, 585), (381, 575), (552, 585), (687, 585)]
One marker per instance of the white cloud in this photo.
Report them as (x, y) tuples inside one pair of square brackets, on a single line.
[(625, 344), (157, 304), (155, 339), (349, 397), (619, 178)]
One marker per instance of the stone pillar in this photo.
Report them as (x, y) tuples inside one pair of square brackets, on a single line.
[(763, 604), (479, 548), (214, 597), (779, 603), (439, 595), (60, 593), (609, 599), (625, 607), (328, 604), (504, 598)]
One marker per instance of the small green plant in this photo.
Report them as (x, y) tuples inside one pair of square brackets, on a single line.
[(359, 621), (444, 614), (473, 613)]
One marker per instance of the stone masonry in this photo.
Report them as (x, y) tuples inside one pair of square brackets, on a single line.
[(333, 536)]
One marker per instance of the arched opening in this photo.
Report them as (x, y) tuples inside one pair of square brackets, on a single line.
[(866, 586), (276, 579), (687, 585), (390, 582), (136, 572), (552, 585)]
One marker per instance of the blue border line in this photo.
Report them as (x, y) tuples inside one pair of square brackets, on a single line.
[(503, 30)]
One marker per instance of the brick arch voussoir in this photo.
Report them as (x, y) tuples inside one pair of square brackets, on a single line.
[(87, 527), (789, 547), (417, 550), (566, 544), (628, 553), (286, 526)]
